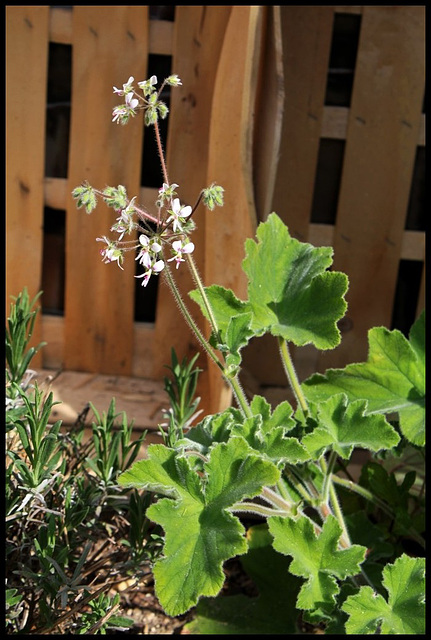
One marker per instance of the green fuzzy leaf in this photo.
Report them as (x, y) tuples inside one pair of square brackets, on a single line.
[(233, 319), (403, 612), (237, 336), (344, 425), (280, 417), (392, 379), (271, 612), (290, 292), (273, 444), (315, 558), (200, 532), (266, 432), (213, 428), (224, 304)]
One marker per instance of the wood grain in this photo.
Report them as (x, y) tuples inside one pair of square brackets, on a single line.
[(26, 49), (198, 37), (99, 298), (382, 137)]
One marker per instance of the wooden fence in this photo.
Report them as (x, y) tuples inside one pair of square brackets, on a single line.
[(251, 116)]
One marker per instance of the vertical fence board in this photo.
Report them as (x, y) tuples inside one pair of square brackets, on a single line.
[(269, 113), (306, 34), (306, 42), (110, 45), (198, 37), (217, 53), (26, 74), (382, 137), (230, 157)]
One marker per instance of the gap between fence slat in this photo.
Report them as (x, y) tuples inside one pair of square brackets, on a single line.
[(382, 136), (60, 31), (306, 33)]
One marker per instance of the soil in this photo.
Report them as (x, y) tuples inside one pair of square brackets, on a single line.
[(140, 603)]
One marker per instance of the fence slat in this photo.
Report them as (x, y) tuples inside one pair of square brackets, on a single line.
[(306, 41), (26, 48), (269, 113), (198, 37), (306, 33), (382, 137), (111, 45), (230, 157)]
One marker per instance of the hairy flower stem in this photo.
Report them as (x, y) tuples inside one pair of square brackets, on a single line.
[(197, 279), (232, 382), (160, 151), (291, 375), (193, 326), (240, 395)]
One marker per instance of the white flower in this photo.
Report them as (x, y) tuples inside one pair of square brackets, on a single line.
[(125, 222), (178, 213), (179, 247), (131, 102), (112, 253), (149, 251), (152, 267), (126, 87), (147, 86), (123, 112), (173, 80)]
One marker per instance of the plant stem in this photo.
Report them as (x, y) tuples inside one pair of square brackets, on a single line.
[(276, 500), (240, 396), (193, 326), (328, 475), (257, 509), (328, 488), (160, 151), (291, 375), (232, 382), (197, 279), (352, 486), (307, 492)]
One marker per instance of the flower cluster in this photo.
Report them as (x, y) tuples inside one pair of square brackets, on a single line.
[(169, 231), (150, 102)]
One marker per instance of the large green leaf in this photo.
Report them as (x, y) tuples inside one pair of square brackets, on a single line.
[(315, 558), (392, 379), (403, 612), (344, 425), (271, 612), (290, 291), (200, 532), (266, 432), (233, 318)]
